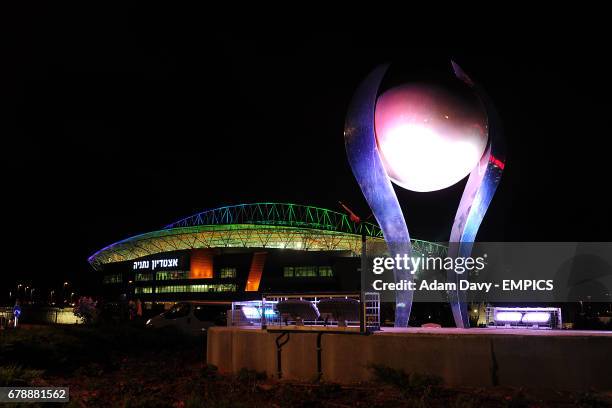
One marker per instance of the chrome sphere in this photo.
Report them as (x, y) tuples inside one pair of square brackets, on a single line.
[(428, 137)]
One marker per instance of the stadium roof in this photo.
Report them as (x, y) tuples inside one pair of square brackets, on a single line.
[(258, 225)]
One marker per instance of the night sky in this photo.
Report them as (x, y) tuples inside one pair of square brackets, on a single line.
[(120, 123)]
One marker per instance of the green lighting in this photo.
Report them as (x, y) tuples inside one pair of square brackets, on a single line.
[(260, 225)]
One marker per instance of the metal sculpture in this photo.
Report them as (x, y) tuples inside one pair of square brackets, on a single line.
[(374, 180)]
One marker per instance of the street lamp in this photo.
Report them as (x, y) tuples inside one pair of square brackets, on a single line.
[(64, 293)]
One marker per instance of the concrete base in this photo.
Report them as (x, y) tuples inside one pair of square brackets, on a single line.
[(576, 360)]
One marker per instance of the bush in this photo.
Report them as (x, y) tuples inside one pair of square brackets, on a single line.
[(404, 382), (86, 309), (64, 349), (467, 401), (518, 400), (327, 390), (147, 401), (210, 372), (14, 375), (247, 376), (390, 376), (591, 400), (421, 380)]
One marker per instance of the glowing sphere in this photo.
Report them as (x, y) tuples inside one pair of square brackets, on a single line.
[(429, 138)]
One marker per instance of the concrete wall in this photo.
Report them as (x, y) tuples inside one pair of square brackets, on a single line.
[(476, 359)]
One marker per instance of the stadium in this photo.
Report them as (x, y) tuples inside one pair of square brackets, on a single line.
[(240, 252)]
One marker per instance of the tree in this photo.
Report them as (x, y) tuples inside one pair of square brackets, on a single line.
[(86, 309)]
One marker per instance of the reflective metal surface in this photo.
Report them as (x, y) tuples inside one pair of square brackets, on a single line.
[(368, 168), (476, 198), (362, 153)]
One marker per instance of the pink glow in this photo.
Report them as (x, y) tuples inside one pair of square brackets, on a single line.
[(536, 317), (508, 316), (428, 138)]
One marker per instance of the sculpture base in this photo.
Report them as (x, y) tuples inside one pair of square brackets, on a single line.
[(573, 360)]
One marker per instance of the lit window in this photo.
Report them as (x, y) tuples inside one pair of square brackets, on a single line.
[(143, 290), (143, 277), (115, 278), (171, 289), (305, 271), (227, 273), (196, 288), (325, 271), (171, 275)]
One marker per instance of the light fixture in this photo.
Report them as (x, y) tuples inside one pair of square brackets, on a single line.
[(524, 317), (536, 317), (508, 316), (251, 312)]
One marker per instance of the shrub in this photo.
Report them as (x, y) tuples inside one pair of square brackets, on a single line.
[(146, 401), (247, 376), (518, 400), (591, 400), (210, 372), (467, 401), (86, 309), (390, 376), (64, 349), (14, 375), (423, 380), (327, 390), (406, 383)]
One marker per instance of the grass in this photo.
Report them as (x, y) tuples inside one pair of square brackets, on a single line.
[(15, 375), (404, 381), (63, 349)]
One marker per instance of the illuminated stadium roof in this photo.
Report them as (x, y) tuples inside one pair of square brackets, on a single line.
[(259, 225)]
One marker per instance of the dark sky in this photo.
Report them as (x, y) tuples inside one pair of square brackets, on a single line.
[(119, 123)]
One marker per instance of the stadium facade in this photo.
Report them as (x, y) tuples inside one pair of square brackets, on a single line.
[(239, 252)]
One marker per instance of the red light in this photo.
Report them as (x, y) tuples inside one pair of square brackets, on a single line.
[(497, 162)]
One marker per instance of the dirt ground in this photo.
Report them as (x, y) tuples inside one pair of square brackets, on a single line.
[(180, 379)]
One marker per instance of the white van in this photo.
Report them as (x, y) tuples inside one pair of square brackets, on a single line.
[(191, 317)]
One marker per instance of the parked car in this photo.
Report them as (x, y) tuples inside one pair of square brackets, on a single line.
[(191, 317)]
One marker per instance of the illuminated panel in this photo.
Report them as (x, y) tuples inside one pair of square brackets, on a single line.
[(508, 316), (201, 264), (251, 312), (536, 317), (257, 264)]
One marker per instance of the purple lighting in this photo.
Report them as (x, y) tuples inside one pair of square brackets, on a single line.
[(536, 317), (508, 316), (525, 317)]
